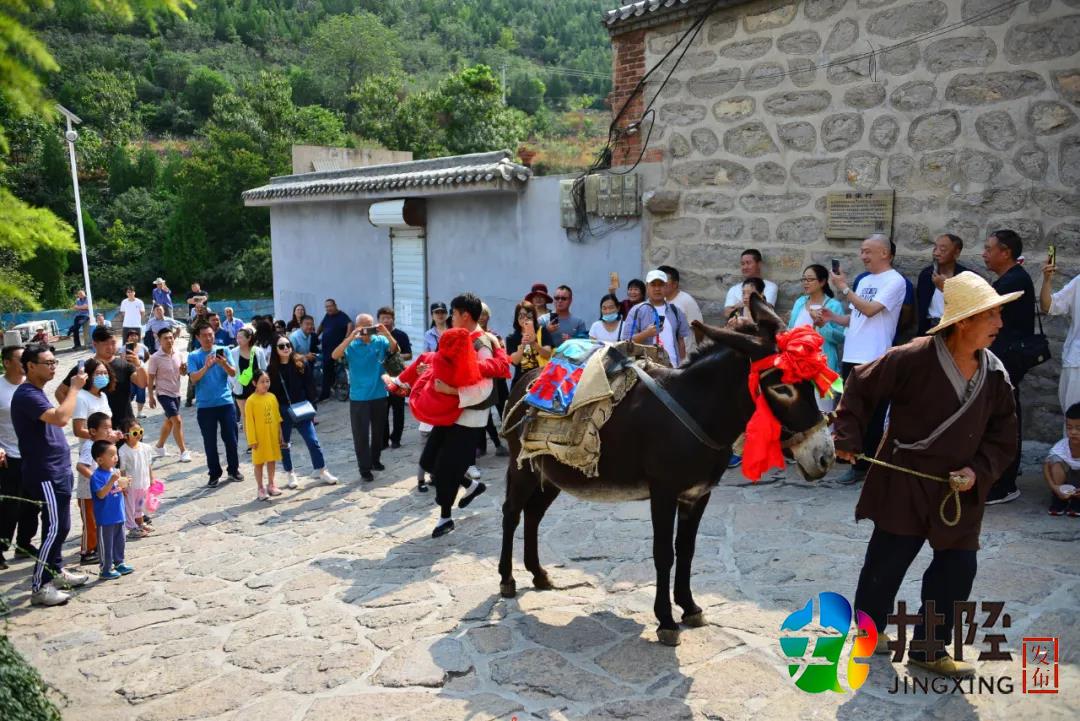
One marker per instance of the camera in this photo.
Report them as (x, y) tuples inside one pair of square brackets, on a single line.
[(71, 136), (370, 330)]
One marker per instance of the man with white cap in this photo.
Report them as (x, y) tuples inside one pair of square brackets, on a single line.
[(657, 322), (163, 296), (951, 416)]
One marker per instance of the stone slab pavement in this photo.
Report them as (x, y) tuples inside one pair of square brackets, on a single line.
[(333, 602)]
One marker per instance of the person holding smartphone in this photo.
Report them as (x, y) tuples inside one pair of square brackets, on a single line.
[(529, 345), (560, 323), (210, 369), (1065, 302), (930, 287), (657, 322), (128, 370)]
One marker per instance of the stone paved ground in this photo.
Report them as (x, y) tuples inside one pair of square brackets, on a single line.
[(334, 603)]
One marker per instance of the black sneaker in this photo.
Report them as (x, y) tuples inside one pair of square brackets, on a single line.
[(1058, 506), (378, 467), (443, 529), (236, 476), (466, 500), (1073, 511), (87, 559), (421, 487), (367, 477), (213, 482)]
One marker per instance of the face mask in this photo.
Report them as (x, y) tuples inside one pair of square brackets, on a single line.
[(609, 317), (101, 381)]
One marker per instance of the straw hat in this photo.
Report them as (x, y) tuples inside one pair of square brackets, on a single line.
[(968, 294)]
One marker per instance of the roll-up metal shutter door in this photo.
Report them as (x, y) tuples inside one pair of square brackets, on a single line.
[(410, 286)]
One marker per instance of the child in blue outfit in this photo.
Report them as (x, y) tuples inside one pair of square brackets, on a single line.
[(107, 488)]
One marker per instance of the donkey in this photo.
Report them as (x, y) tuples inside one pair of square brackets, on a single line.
[(647, 454)]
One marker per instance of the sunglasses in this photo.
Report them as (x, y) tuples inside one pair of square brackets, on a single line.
[(562, 297), (137, 433), (284, 346)]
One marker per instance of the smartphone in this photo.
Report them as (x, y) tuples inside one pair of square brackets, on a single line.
[(660, 325), (367, 331), (835, 266), (553, 317), (1051, 255), (82, 366), (220, 352), (129, 347), (614, 279)]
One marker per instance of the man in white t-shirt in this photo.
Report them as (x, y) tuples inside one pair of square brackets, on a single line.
[(685, 302), (134, 313), (1065, 302), (15, 513), (875, 310), (750, 266)]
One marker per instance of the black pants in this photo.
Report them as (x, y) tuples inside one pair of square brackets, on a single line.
[(448, 453), (18, 519), (1007, 482), (329, 374), (366, 419), (948, 579), (874, 429), (395, 405), (73, 331), (55, 525), (502, 394)]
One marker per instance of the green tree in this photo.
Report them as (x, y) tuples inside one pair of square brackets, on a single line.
[(203, 86), (472, 116), (345, 49), (526, 92), (106, 101)]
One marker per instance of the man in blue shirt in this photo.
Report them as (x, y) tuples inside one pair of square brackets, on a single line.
[(304, 340), (82, 317), (163, 296), (221, 336), (364, 350), (232, 325), (333, 330), (46, 468), (209, 371)]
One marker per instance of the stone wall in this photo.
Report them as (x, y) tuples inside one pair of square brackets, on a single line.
[(974, 129)]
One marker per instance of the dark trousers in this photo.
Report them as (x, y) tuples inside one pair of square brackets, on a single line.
[(947, 580), (18, 518), (874, 429), (502, 394), (395, 405), (1007, 482), (210, 420), (55, 525), (111, 545), (448, 453), (366, 419), (74, 330), (329, 374)]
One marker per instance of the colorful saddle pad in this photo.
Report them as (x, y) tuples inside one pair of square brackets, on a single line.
[(553, 390)]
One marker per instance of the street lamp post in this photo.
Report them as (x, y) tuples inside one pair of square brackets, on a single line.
[(71, 136)]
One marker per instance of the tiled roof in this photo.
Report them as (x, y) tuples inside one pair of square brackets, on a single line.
[(628, 13), (496, 168)]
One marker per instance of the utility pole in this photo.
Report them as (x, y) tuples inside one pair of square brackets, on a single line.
[(504, 82), (71, 136)]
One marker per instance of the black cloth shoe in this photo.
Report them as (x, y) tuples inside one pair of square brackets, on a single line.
[(87, 559), (466, 500), (367, 477), (1002, 494), (1058, 506), (378, 467), (213, 482), (421, 487), (442, 530), (236, 476), (1073, 511)]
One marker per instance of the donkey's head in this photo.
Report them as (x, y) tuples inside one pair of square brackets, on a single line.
[(804, 430)]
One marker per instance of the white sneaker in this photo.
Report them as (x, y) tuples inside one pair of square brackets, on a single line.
[(160, 452), (473, 473), (327, 476), (49, 595), (73, 579), (294, 482), (185, 457)]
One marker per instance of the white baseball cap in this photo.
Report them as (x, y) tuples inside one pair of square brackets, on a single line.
[(656, 275)]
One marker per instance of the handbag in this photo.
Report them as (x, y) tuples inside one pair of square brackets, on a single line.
[(298, 412), (394, 364), (1032, 351)]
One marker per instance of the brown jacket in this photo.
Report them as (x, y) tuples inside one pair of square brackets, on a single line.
[(913, 381)]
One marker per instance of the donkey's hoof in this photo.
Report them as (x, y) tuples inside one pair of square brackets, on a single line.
[(543, 583), (508, 590), (695, 619), (668, 636)]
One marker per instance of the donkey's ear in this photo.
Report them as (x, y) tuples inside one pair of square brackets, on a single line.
[(768, 322), (748, 343)]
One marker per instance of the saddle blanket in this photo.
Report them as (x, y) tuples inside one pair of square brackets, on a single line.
[(555, 389)]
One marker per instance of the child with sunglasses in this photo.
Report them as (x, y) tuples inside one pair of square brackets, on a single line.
[(136, 459)]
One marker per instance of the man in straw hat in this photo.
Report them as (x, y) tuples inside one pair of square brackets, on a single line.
[(951, 416)]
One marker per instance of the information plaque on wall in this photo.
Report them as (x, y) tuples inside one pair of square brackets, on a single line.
[(858, 215)]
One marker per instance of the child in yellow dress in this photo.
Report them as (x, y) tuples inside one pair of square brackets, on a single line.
[(262, 423)]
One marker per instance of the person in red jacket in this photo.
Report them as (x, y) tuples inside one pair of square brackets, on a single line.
[(455, 364)]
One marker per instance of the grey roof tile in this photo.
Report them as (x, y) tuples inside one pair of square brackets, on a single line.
[(637, 9), (372, 179)]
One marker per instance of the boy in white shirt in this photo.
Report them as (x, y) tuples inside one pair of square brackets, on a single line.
[(1062, 468)]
